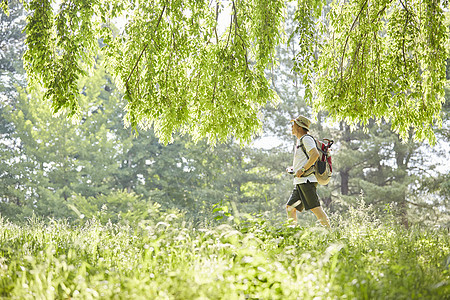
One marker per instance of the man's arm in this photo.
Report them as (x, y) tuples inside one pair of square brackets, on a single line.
[(313, 156)]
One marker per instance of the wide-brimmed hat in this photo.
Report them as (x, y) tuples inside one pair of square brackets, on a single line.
[(302, 121)]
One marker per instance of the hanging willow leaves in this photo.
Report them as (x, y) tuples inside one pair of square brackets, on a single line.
[(359, 59), (176, 71), (377, 59), (4, 6), (61, 49)]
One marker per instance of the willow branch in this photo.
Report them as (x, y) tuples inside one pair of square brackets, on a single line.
[(420, 205), (229, 33), (215, 27), (236, 34), (410, 13), (145, 47), (348, 36), (403, 42)]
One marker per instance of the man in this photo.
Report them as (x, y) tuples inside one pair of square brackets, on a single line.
[(304, 196)]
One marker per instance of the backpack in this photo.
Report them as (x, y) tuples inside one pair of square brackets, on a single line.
[(322, 168)]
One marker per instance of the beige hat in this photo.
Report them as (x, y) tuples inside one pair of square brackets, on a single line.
[(302, 122)]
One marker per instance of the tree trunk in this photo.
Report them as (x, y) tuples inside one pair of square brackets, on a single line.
[(345, 173), (403, 213), (129, 167), (344, 181), (402, 157)]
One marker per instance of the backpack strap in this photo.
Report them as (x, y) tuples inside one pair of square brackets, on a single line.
[(303, 145), (323, 151), (306, 154)]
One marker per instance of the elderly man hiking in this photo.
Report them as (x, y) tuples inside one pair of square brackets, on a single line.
[(304, 196)]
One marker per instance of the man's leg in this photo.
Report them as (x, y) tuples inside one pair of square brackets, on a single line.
[(293, 205), (291, 214), (309, 193), (321, 216)]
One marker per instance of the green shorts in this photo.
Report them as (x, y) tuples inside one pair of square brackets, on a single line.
[(304, 196)]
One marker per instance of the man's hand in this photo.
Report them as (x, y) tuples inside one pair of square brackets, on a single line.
[(299, 173)]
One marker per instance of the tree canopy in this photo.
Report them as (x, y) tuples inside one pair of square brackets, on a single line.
[(179, 71)]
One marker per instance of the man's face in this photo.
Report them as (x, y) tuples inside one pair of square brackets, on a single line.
[(294, 128)]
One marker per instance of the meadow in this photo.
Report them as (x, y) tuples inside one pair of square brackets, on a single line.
[(364, 256)]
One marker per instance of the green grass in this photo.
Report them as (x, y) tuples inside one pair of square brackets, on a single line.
[(361, 258)]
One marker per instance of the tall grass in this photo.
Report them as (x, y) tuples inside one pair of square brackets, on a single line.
[(363, 257)]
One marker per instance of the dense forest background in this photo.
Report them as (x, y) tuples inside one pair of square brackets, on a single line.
[(52, 168)]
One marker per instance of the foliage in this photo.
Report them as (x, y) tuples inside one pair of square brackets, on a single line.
[(379, 165), (48, 160), (12, 45), (175, 70), (51, 164), (4, 6), (119, 207), (168, 258), (179, 72), (365, 59)]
